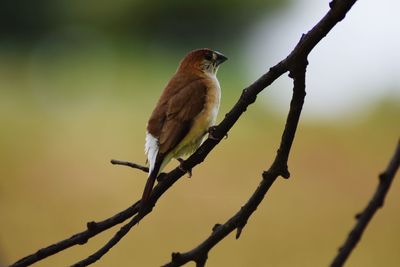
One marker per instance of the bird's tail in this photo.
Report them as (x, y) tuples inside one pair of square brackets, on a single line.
[(149, 184)]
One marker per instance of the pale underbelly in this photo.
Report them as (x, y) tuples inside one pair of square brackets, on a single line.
[(199, 129)]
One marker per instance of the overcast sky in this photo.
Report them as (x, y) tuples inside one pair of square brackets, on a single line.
[(355, 65)]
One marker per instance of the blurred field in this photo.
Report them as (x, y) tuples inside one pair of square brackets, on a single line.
[(63, 119)]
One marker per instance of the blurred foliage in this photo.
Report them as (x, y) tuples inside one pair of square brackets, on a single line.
[(176, 21)]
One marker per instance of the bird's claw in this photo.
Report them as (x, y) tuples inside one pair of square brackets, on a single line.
[(189, 171)]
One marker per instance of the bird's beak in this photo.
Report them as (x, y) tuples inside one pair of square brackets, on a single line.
[(220, 58)]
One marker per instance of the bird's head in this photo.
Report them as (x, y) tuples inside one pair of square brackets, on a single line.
[(204, 60)]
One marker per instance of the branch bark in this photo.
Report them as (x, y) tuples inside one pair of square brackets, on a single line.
[(363, 218), (93, 228), (130, 164), (295, 63)]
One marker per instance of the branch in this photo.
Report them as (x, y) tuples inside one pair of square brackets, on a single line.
[(112, 242), (363, 218), (295, 62), (129, 164), (93, 228)]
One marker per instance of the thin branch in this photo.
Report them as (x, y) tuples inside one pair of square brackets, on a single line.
[(337, 12), (93, 228), (112, 242), (129, 164), (363, 218)]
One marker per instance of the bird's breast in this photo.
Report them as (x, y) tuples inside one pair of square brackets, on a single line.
[(209, 114)]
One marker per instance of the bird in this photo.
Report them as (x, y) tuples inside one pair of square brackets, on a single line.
[(186, 109)]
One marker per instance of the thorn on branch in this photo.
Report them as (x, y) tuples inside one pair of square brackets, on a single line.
[(175, 256), (285, 173), (216, 226), (382, 177), (332, 3), (276, 170), (266, 174), (239, 228), (91, 226), (238, 232), (303, 35)]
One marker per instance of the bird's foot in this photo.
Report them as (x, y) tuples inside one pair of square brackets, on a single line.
[(189, 171), (211, 134)]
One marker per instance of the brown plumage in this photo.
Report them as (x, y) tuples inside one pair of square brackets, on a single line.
[(186, 109)]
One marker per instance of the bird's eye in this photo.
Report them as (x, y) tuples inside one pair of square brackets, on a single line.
[(209, 56)]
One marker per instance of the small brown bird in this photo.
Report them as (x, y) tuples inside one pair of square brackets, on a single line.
[(186, 109)]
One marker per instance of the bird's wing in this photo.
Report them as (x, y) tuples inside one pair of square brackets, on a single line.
[(171, 121), (181, 110)]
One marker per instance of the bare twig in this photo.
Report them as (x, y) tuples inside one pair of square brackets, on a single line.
[(363, 218), (295, 63), (129, 164), (93, 228), (112, 242)]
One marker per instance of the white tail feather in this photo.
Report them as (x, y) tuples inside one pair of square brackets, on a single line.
[(151, 149)]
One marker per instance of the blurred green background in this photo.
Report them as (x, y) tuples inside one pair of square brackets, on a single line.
[(78, 80)]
